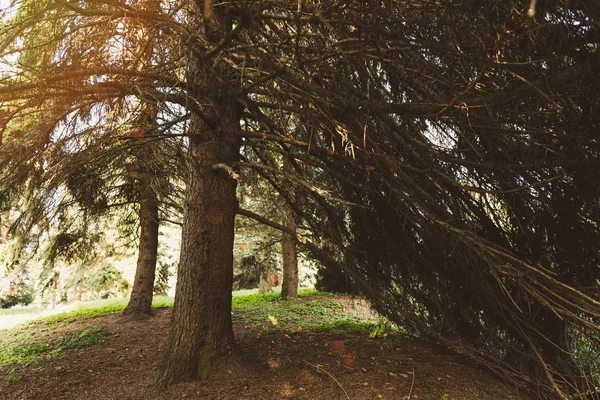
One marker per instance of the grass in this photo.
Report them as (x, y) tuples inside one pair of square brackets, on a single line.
[(24, 347), (311, 312), (21, 310), (15, 317), (79, 315), (100, 308), (40, 338), (94, 309), (82, 339)]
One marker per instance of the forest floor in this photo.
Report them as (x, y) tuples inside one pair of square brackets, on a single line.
[(313, 347)]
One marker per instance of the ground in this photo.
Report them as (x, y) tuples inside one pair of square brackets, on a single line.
[(284, 354)]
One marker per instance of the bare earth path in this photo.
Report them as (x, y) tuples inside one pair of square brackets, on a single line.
[(282, 365)]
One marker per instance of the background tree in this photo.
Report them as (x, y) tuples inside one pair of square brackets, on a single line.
[(147, 167), (108, 181), (260, 194)]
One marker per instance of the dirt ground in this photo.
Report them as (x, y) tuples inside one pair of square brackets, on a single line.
[(283, 365)]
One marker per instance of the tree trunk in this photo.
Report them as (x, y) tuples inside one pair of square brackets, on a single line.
[(140, 300), (289, 286), (200, 340), (201, 335)]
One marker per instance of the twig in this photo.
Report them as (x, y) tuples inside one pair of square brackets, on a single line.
[(320, 369), (531, 9), (232, 174), (412, 385)]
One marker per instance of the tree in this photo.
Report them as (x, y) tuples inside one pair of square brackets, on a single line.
[(435, 175), (140, 300), (261, 194), (201, 334), (114, 181), (289, 253)]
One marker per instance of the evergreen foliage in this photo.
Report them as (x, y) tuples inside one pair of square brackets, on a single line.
[(445, 156)]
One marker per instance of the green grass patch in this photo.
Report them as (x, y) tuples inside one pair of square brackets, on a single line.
[(344, 327), (80, 314), (94, 309), (256, 299), (162, 302), (312, 293), (24, 354), (290, 315), (79, 340), (25, 347), (20, 310), (99, 308), (253, 300), (312, 311)]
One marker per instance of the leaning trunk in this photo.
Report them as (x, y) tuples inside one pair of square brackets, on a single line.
[(289, 286), (140, 301), (200, 339)]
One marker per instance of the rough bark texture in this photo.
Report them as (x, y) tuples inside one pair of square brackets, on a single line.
[(289, 286), (201, 336), (140, 300)]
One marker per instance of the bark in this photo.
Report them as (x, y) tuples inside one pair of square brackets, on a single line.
[(140, 300), (201, 335), (289, 286), (201, 339)]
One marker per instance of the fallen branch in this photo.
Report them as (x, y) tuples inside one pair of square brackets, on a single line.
[(320, 369)]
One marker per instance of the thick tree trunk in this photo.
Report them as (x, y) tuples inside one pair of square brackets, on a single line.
[(289, 286), (140, 300), (201, 336)]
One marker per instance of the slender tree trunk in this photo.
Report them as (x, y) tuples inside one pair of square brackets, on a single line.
[(140, 300), (145, 167), (289, 286), (200, 341)]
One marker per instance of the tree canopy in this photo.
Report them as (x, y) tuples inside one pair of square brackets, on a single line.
[(443, 156)]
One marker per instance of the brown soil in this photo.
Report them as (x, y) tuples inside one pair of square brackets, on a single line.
[(283, 365)]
